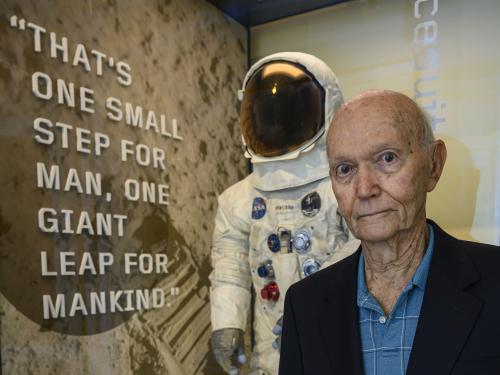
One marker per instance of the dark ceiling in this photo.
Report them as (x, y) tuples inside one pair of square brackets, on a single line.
[(255, 12)]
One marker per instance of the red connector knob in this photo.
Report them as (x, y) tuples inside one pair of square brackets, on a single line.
[(270, 292)]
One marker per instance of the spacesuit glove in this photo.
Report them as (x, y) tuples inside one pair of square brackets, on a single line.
[(227, 346), (278, 328)]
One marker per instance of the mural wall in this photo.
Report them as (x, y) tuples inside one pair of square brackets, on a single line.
[(118, 129)]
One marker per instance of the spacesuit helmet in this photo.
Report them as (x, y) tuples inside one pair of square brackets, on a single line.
[(288, 101), (282, 109)]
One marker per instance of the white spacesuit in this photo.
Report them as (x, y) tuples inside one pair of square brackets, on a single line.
[(280, 223)]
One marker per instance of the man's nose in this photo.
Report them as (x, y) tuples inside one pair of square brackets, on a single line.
[(367, 184)]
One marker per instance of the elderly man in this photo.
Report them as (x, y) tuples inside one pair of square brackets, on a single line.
[(412, 300)]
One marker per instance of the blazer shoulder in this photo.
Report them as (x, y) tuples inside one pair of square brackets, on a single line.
[(485, 257), (481, 248), (475, 250)]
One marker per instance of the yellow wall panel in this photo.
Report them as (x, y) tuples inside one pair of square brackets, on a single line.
[(444, 54)]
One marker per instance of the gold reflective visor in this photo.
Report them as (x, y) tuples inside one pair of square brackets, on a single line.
[(282, 109)]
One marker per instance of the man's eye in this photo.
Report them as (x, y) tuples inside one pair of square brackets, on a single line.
[(343, 170), (388, 157)]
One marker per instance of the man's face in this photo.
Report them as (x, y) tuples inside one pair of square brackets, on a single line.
[(380, 174)]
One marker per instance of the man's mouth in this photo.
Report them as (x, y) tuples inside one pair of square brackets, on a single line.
[(373, 214)]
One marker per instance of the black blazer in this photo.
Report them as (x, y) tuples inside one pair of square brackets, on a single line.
[(458, 331)]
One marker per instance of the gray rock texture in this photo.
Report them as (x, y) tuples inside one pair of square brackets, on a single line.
[(187, 61)]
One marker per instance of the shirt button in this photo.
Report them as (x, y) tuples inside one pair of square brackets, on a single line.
[(382, 320)]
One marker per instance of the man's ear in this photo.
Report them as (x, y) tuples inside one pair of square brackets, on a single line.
[(438, 158)]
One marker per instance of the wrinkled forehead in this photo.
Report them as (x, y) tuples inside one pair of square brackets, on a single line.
[(393, 114)]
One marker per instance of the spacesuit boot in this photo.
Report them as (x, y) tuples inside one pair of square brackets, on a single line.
[(280, 224)]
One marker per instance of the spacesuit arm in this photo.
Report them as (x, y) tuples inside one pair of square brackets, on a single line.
[(291, 353), (230, 292)]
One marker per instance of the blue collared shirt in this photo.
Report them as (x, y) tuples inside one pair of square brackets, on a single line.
[(386, 341)]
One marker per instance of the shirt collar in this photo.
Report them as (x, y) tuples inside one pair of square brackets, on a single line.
[(419, 278)]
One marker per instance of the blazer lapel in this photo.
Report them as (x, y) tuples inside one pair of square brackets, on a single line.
[(338, 321), (448, 313)]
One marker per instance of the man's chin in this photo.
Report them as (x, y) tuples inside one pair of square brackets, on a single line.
[(375, 233)]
